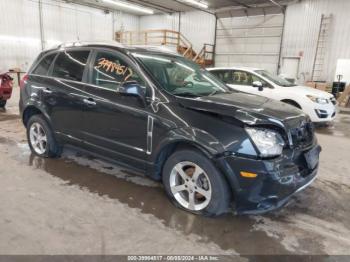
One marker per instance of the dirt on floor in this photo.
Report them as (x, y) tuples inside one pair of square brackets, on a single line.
[(79, 204)]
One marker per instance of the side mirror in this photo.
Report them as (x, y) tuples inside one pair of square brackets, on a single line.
[(132, 88), (258, 85)]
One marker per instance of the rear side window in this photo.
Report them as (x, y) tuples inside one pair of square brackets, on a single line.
[(71, 65), (44, 65)]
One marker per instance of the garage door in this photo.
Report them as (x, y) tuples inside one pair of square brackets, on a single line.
[(252, 41)]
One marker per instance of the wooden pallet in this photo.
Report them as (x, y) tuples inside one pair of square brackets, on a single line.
[(343, 99)]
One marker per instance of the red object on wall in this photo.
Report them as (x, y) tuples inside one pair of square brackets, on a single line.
[(6, 86)]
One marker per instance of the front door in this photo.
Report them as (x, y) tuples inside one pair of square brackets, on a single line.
[(115, 124)]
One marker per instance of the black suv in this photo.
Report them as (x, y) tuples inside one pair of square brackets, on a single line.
[(159, 113)]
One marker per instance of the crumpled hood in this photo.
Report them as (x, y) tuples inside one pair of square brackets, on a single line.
[(250, 109)]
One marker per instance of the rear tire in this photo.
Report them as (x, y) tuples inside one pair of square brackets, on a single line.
[(3, 103), (194, 184), (41, 139)]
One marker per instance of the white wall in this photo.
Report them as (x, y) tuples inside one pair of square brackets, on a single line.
[(199, 28), (252, 41), (126, 22), (66, 22), (196, 26), (20, 39), (160, 21), (19, 33), (301, 32)]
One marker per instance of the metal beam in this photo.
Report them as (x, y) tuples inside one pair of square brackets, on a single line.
[(281, 44), (42, 33), (155, 6), (104, 8), (194, 7), (276, 4), (215, 39), (241, 4)]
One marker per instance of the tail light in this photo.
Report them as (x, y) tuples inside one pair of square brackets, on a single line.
[(6, 81), (23, 81)]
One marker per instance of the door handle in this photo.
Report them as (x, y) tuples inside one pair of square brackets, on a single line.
[(89, 101), (47, 91)]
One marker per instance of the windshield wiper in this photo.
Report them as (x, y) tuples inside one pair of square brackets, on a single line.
[(215, 93)]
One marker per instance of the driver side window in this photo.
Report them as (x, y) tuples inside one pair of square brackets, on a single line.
[(110, 71), (245, 78)]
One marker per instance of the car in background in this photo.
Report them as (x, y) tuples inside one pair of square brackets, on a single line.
[(319, 105), (163, 115), (6, 85)]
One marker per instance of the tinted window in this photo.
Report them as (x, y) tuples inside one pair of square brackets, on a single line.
[(44, 65), (223, 75), (276, 79), (245, 78), (70, 65), (110, 71), (180, 76)]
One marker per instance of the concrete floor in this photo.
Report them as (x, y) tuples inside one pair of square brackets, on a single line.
[(81, 205)]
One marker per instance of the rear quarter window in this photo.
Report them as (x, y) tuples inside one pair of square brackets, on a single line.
[(43, 67), (71, 65)]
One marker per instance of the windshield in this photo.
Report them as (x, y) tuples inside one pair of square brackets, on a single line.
[(181, 77), (275, 79)]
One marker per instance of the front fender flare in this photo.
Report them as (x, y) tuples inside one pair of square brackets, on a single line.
[(200, 139)]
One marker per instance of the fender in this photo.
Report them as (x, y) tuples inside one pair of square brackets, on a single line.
[(200, 139)]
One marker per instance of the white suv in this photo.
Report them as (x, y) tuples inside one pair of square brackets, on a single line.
[(319, 105)]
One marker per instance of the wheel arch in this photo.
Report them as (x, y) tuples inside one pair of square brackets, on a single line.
[(163, 153), (185, 137), (31, 110), (291, 102)]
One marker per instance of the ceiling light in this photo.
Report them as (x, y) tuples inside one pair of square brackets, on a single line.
[(129, 6), (197, 3)]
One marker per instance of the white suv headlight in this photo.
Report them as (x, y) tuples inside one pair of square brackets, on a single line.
[(270, 143), (318, 100)]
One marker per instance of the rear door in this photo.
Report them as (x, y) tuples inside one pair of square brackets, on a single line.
[(63, 91), (115, 124)]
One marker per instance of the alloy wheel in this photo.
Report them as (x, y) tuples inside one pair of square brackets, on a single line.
[(38, 138), (190, 186)]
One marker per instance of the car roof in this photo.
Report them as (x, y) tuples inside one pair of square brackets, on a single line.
[(116, 45), (235, 68)]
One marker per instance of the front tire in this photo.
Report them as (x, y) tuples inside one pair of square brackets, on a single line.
[(41, 139), (193, 183)]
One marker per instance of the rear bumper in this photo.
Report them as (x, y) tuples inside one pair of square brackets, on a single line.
[(276, 182)]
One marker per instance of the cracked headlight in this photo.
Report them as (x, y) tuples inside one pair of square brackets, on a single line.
[(318, 100), (270, 143)]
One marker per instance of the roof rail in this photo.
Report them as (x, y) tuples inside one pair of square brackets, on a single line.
[(156, 48), (84, 43)]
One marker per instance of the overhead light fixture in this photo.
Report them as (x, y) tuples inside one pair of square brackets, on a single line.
[(129, 6), (197, 3)]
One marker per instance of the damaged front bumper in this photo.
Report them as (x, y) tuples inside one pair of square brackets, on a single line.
[(276, 181)]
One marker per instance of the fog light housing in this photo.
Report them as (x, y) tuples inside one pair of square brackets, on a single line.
[(321, 113)]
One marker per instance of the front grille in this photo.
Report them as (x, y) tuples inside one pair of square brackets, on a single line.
[(303, 135)]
